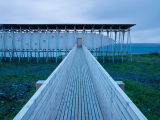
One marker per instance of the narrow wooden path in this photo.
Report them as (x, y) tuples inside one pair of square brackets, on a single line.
[(80, 89), (79, 101)]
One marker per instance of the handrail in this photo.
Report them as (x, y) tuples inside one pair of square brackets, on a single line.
[(41, 104), (115, 104)]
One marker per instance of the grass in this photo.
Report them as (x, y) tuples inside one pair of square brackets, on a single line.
[(145, 97), (141, 78), (25, 74), (142, 81)]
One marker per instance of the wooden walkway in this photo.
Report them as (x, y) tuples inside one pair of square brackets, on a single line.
[(80, 89), (79, 101)]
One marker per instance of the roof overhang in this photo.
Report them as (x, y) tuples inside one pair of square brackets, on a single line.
[(67, 26)]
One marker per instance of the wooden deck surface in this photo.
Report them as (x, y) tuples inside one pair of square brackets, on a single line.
[(79, 101)]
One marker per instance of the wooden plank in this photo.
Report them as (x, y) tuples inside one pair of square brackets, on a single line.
[(121, 100), (38, 97)]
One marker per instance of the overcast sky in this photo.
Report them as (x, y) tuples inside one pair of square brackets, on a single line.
[(144, 13)]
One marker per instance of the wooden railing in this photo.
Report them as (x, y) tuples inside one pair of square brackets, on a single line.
[(114, 103), (44, 103)]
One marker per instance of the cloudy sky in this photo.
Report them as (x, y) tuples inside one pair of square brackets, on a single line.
[(144, 13)]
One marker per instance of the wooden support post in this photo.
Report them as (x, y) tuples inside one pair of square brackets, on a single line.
[(22, 51), (65, 40), (107, 46), (119, 43), (92, 39), (9, 57), (56, 44), (12, 45), (123, 33), (102, 41), (47, 44), (96, 51), (127, 43), (121, 48), (115, 45), (24, 55), (27, 55), (121, 84), (74, 35), (35, 55), (112, 51), (31, 56), (83, 34), (110, 45), (38, 52), (100, 32), (39, 83), (4, 45), (53, 55), (43, 54), (29, 44), (130, 45), (1, 56)]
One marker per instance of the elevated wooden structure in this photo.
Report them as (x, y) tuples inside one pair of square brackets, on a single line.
[(48, 40), (80, 89)]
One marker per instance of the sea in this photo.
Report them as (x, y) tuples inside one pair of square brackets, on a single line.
[(144, 48), (141, 48)]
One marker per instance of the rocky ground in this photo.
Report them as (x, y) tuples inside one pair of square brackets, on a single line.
[(141, 77), (17, 84)]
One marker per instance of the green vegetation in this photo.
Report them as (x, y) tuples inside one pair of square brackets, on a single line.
[(141, 78), (142, 81), (17, 84), (145, 97)]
